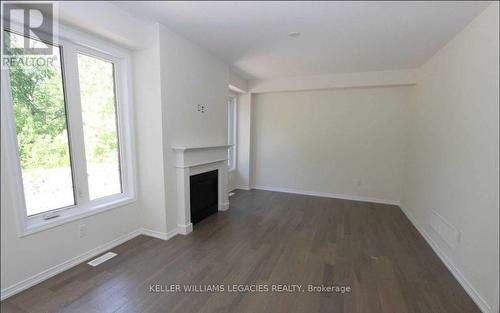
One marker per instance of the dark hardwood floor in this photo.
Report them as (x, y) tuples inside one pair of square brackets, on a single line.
[(266, 238)]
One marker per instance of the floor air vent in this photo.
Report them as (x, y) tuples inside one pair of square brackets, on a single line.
[(103, 258)]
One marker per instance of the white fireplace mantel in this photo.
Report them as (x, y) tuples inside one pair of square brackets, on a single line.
[(192, 161)]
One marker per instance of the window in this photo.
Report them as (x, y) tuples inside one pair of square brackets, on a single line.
[(97, 86), (68, 128), (231, 130), (39, 109)]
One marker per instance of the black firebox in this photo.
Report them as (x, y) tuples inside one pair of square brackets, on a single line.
[(204, 195)]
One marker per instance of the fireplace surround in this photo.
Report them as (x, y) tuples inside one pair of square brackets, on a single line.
[(191, 161)]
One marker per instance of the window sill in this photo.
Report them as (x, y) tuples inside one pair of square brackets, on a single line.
[(38, 224)]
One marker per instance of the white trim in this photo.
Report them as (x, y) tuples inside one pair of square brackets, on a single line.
[(473, 293), (74, 214), (496, 306), (12, 156), (328, 195), (74, 42), (68, 264), (184, 229), (74, 126), (201, 163), (44, 275), (182, 149), (196, 161), (232, 126), (242, 187), (159, 235), (224, 206)]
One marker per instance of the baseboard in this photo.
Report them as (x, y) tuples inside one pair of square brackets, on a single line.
[(38, 278), (475, 296), (242, 187), (185, 229), (44, 275), (159, 235), (328, 195), (224, 206)]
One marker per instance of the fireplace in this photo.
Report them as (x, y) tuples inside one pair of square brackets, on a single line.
[(203, 195), (211, 163)]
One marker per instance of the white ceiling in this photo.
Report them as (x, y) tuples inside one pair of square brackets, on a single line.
[(336, 37)]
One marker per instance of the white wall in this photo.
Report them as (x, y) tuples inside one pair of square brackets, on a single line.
[(26, 259), (343, 142), (237, 83), (189, 76), (354, 141), (243, 170), (107, 20), (171, 76), (232, 180), (149, 135), (452, 165), (239, 178)]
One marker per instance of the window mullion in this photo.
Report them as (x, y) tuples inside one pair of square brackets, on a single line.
[(75, 122)]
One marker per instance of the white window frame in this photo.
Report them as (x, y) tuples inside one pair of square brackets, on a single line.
[(74, 42), (232, 162)]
